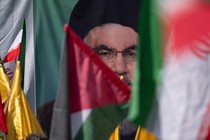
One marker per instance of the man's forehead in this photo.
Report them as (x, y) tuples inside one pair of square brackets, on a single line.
[(113, 36), (110, 28)]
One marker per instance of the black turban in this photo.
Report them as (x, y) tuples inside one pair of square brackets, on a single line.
[(88, 14)]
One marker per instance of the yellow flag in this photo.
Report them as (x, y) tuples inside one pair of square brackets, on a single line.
[(141, 134), (21, 121), (4, 82), (115, 134)]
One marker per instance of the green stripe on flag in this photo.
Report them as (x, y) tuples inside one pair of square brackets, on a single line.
[(148, 63), (50, 17), (101, 122), (23, 52), (1, 134)]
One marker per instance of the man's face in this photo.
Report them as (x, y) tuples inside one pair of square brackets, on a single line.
[(116, 45)]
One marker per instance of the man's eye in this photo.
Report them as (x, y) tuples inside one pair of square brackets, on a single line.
[(131, 53), (104, 53)]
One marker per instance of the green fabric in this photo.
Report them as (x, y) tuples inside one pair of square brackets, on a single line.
[(23, 53), (50, 17), (148, 64), (101, 122)]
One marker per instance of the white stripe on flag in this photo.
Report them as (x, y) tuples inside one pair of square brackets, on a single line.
[(13, 12), (77, 119), (185, 94), (17, 41)]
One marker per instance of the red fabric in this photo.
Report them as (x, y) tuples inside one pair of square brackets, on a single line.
[(190, 27), (92, 83), (12, 55), (191, 30), (3, 125), (204, 132), (208, 136)]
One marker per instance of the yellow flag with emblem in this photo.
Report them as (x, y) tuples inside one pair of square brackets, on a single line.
[(4, 82), (21, 122)]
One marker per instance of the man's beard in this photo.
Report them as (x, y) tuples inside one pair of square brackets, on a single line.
[(127, 130), (127, 81)]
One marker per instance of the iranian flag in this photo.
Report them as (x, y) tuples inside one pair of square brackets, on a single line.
[(14, 50), (172, 89), (44, 21), (91, 99), (12, 13), (185, 87), (13, 54), (49, 19)]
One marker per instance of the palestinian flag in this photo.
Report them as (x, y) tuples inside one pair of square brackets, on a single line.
[(91, 97), (175, 71)]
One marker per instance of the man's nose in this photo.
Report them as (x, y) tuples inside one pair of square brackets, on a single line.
[(119, 66)]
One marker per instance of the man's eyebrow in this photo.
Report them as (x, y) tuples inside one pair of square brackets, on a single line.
[(102, 46), (105, 47), (132, 47)]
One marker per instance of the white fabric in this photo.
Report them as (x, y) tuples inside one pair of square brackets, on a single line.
[(185, 96), (77, 119), (184, 92), (17, 41), (11, 14)]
